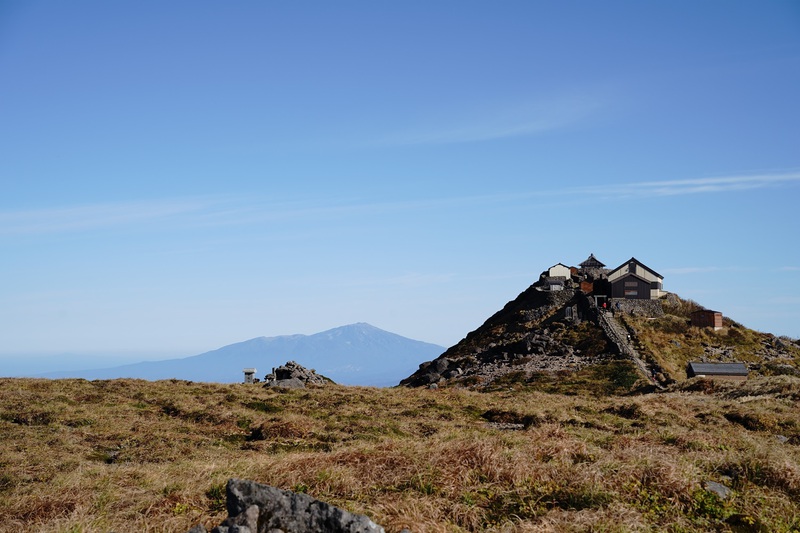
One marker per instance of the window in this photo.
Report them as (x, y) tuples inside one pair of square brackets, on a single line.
[(631, 284), (631, 292)]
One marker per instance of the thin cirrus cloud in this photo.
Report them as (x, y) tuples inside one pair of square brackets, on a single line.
[(233, 210), (95, 216), (694, 186), (534, 118)]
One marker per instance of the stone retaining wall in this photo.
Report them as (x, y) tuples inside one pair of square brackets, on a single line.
[(650, 308)]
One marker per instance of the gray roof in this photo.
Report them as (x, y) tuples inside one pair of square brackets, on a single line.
[(592, 262), (718, 369)]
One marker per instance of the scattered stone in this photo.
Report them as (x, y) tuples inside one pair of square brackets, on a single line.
[(256, 508), (501, 426), (783, 439), (722, 492), (294, 376)]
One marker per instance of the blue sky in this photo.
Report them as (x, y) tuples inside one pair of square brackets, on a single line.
[(177, 176)]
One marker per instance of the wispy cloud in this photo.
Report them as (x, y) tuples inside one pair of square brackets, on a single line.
[(229, 210), (693, 186), (531, 118), (95, 216)]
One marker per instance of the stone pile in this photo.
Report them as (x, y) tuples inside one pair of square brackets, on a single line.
[(294, 376), (256, 508)]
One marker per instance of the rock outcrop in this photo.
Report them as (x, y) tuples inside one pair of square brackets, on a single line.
[(539, 331), (294, 376), (256, 508)]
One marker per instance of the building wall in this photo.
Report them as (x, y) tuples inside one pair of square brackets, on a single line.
[(646, 274), (631, 288), (707, 319), (648, 308), (632, 267), (558, 271), (720, 377)]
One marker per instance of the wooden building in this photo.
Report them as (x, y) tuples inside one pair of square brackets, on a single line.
[(634, 280), (706, 318), (591, 263), (729, 371), (559, 270)]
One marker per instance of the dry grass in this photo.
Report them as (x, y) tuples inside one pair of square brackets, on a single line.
[(672, 342), (135, 455)]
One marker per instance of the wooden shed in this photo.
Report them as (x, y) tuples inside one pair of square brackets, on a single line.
[(706, 318), (730, 371)]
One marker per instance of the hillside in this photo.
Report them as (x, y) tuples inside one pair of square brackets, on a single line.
[(550, 339), (356, 354), (133, 455)]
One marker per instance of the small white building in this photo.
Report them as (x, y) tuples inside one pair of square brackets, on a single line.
[(559, 270), (249, 375)]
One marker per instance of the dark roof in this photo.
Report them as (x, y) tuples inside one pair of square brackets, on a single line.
[(706, 311), (634, 260), (718, 369), (592, 262)]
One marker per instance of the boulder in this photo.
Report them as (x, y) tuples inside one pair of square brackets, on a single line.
[(256, 508)]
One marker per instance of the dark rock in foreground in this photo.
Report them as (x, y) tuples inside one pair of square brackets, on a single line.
[(256, 508)]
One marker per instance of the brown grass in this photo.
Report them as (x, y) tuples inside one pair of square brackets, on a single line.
[(671, 342), (135, 455)]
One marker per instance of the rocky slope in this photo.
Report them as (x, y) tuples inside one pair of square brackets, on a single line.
[(553, 332)]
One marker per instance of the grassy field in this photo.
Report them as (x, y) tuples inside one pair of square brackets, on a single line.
[(154, 456)]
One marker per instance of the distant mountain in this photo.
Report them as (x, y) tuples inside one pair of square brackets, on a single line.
[(357, 354)]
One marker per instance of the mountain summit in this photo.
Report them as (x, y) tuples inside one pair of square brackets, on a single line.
[(355, 354), (606, 323)]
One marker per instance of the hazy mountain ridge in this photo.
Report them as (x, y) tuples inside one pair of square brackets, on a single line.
[(356, 354)]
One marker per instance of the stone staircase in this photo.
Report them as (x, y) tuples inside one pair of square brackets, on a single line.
[(619, 336)]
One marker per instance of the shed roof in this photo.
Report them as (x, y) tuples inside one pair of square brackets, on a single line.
[(718, 369), (704, 311)]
